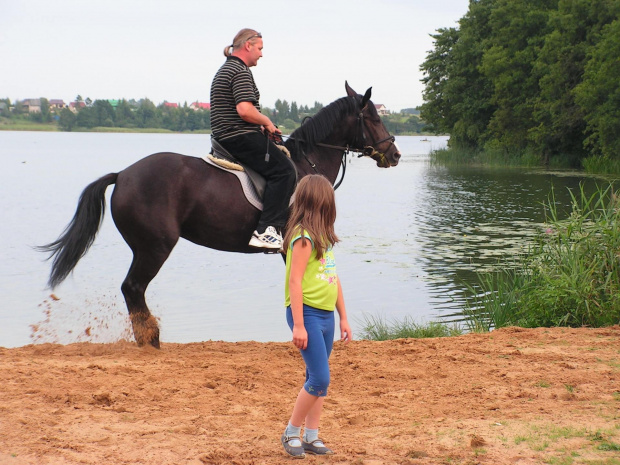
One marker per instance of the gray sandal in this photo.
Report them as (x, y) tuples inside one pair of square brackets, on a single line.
[(316, 447), (294, 451)]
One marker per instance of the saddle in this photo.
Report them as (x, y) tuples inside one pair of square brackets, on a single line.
[(252, 183)]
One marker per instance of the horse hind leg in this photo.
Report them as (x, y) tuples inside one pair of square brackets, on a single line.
[(144, 268)]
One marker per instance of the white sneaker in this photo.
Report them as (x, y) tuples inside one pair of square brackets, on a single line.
[(270, 239)]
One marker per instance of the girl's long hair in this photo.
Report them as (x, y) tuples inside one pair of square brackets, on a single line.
[(313, 210)]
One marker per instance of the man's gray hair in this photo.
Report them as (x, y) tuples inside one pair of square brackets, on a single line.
[(243, 36)]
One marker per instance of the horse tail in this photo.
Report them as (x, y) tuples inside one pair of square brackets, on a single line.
[(80, 233)]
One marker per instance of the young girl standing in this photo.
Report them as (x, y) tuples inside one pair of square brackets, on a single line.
[(312, 292)]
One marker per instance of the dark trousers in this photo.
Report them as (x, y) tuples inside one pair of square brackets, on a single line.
[(279, 172)]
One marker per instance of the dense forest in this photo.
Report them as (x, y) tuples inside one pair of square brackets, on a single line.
[(531, 79), (144, 114)]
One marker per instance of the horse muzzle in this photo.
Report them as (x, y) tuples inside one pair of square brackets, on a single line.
[(383, 160)]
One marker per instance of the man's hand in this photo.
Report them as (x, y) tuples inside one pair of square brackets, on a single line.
[(271, 129)]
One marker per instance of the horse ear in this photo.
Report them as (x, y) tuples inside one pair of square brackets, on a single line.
[(350, 92), (366, 97)]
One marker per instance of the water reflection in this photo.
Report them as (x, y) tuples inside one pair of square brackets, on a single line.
[(475, 217)]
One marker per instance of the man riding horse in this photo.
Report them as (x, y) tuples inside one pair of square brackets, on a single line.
[(239, 126)]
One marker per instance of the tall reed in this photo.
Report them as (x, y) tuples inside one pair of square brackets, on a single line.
[(601, 165)]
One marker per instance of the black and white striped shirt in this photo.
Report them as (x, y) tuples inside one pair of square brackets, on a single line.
[(232, 84)]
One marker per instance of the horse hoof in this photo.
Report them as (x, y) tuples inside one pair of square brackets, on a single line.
[(154, 343), (145, 330)]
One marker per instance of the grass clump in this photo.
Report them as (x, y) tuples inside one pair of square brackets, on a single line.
[(376, 328), (609, 446), (570, 277)]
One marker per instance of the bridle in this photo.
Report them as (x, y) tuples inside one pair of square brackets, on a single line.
[(370, 150), (364, 149)]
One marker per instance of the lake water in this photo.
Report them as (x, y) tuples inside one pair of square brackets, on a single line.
[(411, 236)]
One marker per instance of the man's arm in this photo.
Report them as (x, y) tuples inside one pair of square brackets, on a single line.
[(248, 112)]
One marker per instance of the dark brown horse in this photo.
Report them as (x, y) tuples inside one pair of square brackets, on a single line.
[(166, 196)]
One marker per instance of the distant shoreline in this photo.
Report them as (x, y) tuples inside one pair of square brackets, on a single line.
[(42, 127), (50, 127)]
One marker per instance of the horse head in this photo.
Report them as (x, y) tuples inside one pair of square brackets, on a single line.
[(372, 138)]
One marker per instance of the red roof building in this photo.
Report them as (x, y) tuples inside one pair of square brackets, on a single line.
[(75, 106), (200, 106)]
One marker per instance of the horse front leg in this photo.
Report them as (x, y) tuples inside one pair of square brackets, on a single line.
[(143, 269)]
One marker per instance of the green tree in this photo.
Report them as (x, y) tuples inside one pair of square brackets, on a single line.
[(599, 94), (316, 108), (19, 109), (67, 120), (282, 111), (46, 114), (194, 120), (288, 124), (172, 118), (146, 115), (43, 116), (104, 113), (518, 29), (438, 109), (575, 28), (294, 115), (86, 118), (528, 77), (458, 97), (124, 115), (6, 110)]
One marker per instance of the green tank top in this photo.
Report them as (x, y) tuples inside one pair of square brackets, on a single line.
[(320, 281)]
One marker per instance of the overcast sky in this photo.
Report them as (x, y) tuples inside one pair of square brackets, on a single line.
[(170, 50)]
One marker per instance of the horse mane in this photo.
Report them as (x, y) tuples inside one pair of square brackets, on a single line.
[(316, 128)]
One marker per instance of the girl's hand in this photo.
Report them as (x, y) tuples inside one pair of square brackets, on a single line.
[(345, 331), (300, 337)]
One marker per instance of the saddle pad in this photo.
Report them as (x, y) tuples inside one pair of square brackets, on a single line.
[(225, 163), (246, 184)]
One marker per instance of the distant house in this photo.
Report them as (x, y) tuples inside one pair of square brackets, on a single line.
[(200, 106), (32, 104), (382, 109), (76, 106), (3, 107), (171, 105), (57, 104), (113, 102)]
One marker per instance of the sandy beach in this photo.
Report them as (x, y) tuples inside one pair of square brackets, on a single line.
[(513, 396)]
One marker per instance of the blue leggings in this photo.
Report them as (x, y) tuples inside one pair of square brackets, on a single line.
[(320, 327)]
